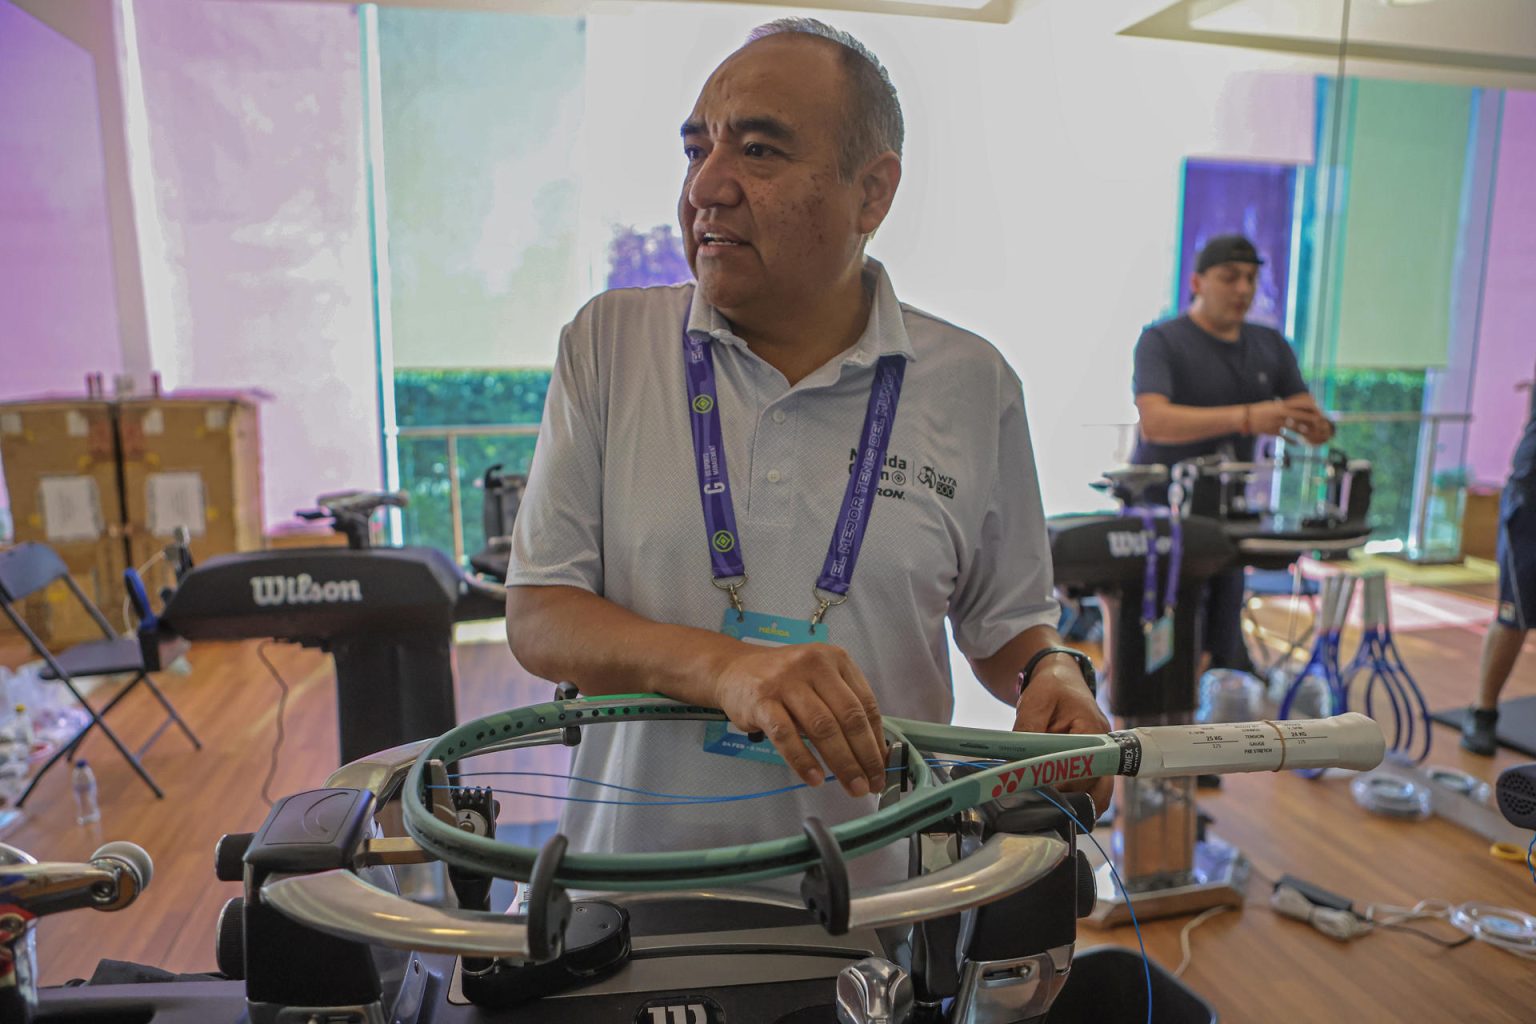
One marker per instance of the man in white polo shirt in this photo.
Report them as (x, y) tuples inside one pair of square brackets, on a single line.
[(711, 456)]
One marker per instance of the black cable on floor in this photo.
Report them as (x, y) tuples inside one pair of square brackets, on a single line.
[(282, 704)]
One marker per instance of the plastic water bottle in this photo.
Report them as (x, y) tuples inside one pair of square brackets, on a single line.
[(1227, 695), (1313, 698), (83, 781), (15, 755)]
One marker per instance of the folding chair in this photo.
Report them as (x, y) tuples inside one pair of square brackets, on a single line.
[(29, 568), (1297, 637)]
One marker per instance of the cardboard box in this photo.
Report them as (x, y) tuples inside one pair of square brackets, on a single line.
[(61, 473), (105, 483), (193, 461), (1480, 523)]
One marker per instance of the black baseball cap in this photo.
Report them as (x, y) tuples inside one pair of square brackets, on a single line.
[(1227, 249)]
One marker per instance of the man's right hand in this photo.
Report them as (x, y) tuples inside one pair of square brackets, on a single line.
[(808, 691), (1299, 413)]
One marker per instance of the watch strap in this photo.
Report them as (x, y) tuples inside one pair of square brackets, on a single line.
[(1084, 664)]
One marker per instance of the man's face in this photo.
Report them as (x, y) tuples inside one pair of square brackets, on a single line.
[(767, 223), (1226, 291)]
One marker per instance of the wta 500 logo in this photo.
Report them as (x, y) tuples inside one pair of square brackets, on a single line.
[(702, 404), (723, 540)]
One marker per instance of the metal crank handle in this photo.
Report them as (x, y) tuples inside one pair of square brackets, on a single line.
[(1344, 741), (113, 878)]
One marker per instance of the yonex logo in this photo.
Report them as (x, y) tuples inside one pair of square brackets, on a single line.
[(703, 404), (723, 541)]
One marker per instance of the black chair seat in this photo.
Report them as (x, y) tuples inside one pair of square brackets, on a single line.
[(30, 568), (100, 658), (1281, 583)]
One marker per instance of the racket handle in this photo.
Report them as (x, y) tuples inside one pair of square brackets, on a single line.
[(1344, 741)]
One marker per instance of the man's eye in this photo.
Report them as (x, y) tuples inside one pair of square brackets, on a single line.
[(693, 152), (757, 149)]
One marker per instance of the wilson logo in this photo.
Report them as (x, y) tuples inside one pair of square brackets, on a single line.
[(269, 591), (692, 1009), (1134, 545)]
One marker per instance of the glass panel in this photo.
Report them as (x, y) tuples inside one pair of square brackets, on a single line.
[(424, 476), (436, 403), (480, 115), (1382, 423), (476, 454), (1400, 218)]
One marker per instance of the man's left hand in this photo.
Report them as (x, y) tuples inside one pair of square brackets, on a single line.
[(1315, 428), (1057, 700)]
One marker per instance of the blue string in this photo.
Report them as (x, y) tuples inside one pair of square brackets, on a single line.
[(1529, 851), (1146, 964)]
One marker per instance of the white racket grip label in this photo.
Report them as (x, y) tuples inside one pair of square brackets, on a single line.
[(1344, 741)]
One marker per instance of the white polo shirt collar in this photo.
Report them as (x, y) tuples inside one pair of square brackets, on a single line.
[(885, 334)]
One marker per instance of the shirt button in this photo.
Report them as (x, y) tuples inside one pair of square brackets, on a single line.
[(778, 415), (774, 476)]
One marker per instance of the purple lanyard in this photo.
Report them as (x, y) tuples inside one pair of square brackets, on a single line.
[(715, 482), (1150, 612)]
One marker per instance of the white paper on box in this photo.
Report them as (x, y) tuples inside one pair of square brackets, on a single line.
[(175, 499), (71, 507), (154, 422), (216, 418), (10, 422), (76, 425)]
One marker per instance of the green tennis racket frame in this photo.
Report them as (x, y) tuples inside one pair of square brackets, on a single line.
[(1025, 756)]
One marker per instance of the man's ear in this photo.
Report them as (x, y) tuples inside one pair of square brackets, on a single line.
[(879, 180), (1194, 286)]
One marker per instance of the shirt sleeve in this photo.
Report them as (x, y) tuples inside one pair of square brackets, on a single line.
[(1006, 585), (557, 539), (1153, 371)]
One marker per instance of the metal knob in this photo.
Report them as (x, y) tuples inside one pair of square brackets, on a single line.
[(229, 856), (229, 944), (874, 991)]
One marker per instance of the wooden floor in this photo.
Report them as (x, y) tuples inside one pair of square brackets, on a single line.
[(1252, 965)]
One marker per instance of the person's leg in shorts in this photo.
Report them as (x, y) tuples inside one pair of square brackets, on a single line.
[(1506, 634)]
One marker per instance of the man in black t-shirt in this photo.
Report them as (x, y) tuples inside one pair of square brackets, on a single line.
[(1208, 383), (1517, 591)]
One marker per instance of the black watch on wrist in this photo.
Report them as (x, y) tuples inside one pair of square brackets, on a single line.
[(1083, 662)]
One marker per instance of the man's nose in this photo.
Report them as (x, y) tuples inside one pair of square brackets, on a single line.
[(714, 182)]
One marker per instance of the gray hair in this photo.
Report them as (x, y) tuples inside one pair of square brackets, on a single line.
[(872, 121)]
